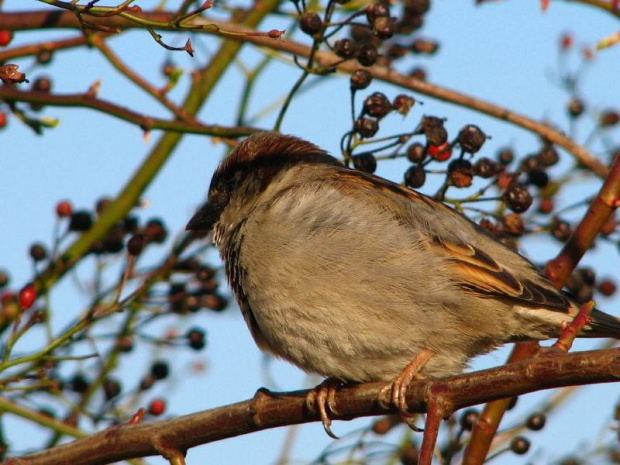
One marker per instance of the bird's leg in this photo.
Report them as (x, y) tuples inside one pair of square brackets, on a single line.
[(322, 398), (397, 389)]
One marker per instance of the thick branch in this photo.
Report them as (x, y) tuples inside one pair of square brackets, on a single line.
[(64, 19), (270, 410)]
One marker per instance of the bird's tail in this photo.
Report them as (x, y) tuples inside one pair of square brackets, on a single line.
[(602, 325)]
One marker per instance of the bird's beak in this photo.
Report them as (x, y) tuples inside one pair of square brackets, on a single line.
[(204, 219)]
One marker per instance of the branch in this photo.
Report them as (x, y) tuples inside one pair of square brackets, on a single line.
[(60, 19), (147, 123), (270, 410)]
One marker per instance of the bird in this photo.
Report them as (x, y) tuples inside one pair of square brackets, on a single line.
[(357, 278)]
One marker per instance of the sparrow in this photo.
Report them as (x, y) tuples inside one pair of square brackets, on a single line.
[(357, 278)]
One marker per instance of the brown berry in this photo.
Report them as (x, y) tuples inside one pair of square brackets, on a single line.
[(417, 7), (513, 224), (310, 23), (196, 338), (81, 220), (536, 421), (575, 108), (548, 156), (377, 105), (360, 79), (609, 118), (485, 167), (367, 55), (434, 130), (468, 418), (135, 244), (505, 156), (403, 103), (366, 127), (365, 162), (345, 48), (38, 252), (424, 47), (376, 10), (111, 388), (383, 27), (460, 172), (416, 153), (520, 445), (607, 287), (517, 198), (415, 176), (471, 138)]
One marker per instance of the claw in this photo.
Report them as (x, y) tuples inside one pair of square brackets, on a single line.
[(396, 391), (322, 398)]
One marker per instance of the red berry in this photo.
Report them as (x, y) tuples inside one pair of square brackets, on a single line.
[(566, 41), (157, 407), (440, 152), (64, 209), (5, 37), (27, 296), (3, 119)]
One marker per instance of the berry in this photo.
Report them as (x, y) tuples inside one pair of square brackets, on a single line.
[(418, 73), (461, 173), (471, 138), (365, 162), (403, 103), (311, 23), (468, 419), (4, 278), (376, 10), (44, 57), (440, 152), (157, 407), (155, 231), (416, 153), (79, 383), (575, 108), (520, 445), (505, 156), (609, 118), (38, 252), (434, 130), (417, 7), (345, 48), (425, 47), (196, 338), (111, 388), (545, 206), (566, 41), (513, 224), (607, 287), (383, 27), (5, 37), (135, 244), (536, 421), (64, 209), (215, 302), (160, 369), (517, 198), (367, 55), (81, 220), (42, 84), (27, 296), (377, 105), (485, 167), (561, 229), (415, 176), (538, 178), (3, 119), (360, 79), (366, 127), (147, 383), (548, 156), (124, 344)]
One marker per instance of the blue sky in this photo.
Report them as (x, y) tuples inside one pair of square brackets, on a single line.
[(505, 52)]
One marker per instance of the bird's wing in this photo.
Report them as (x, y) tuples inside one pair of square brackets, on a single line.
[(497, 272)]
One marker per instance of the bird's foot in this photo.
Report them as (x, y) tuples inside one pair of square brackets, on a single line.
[(323, 398)]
